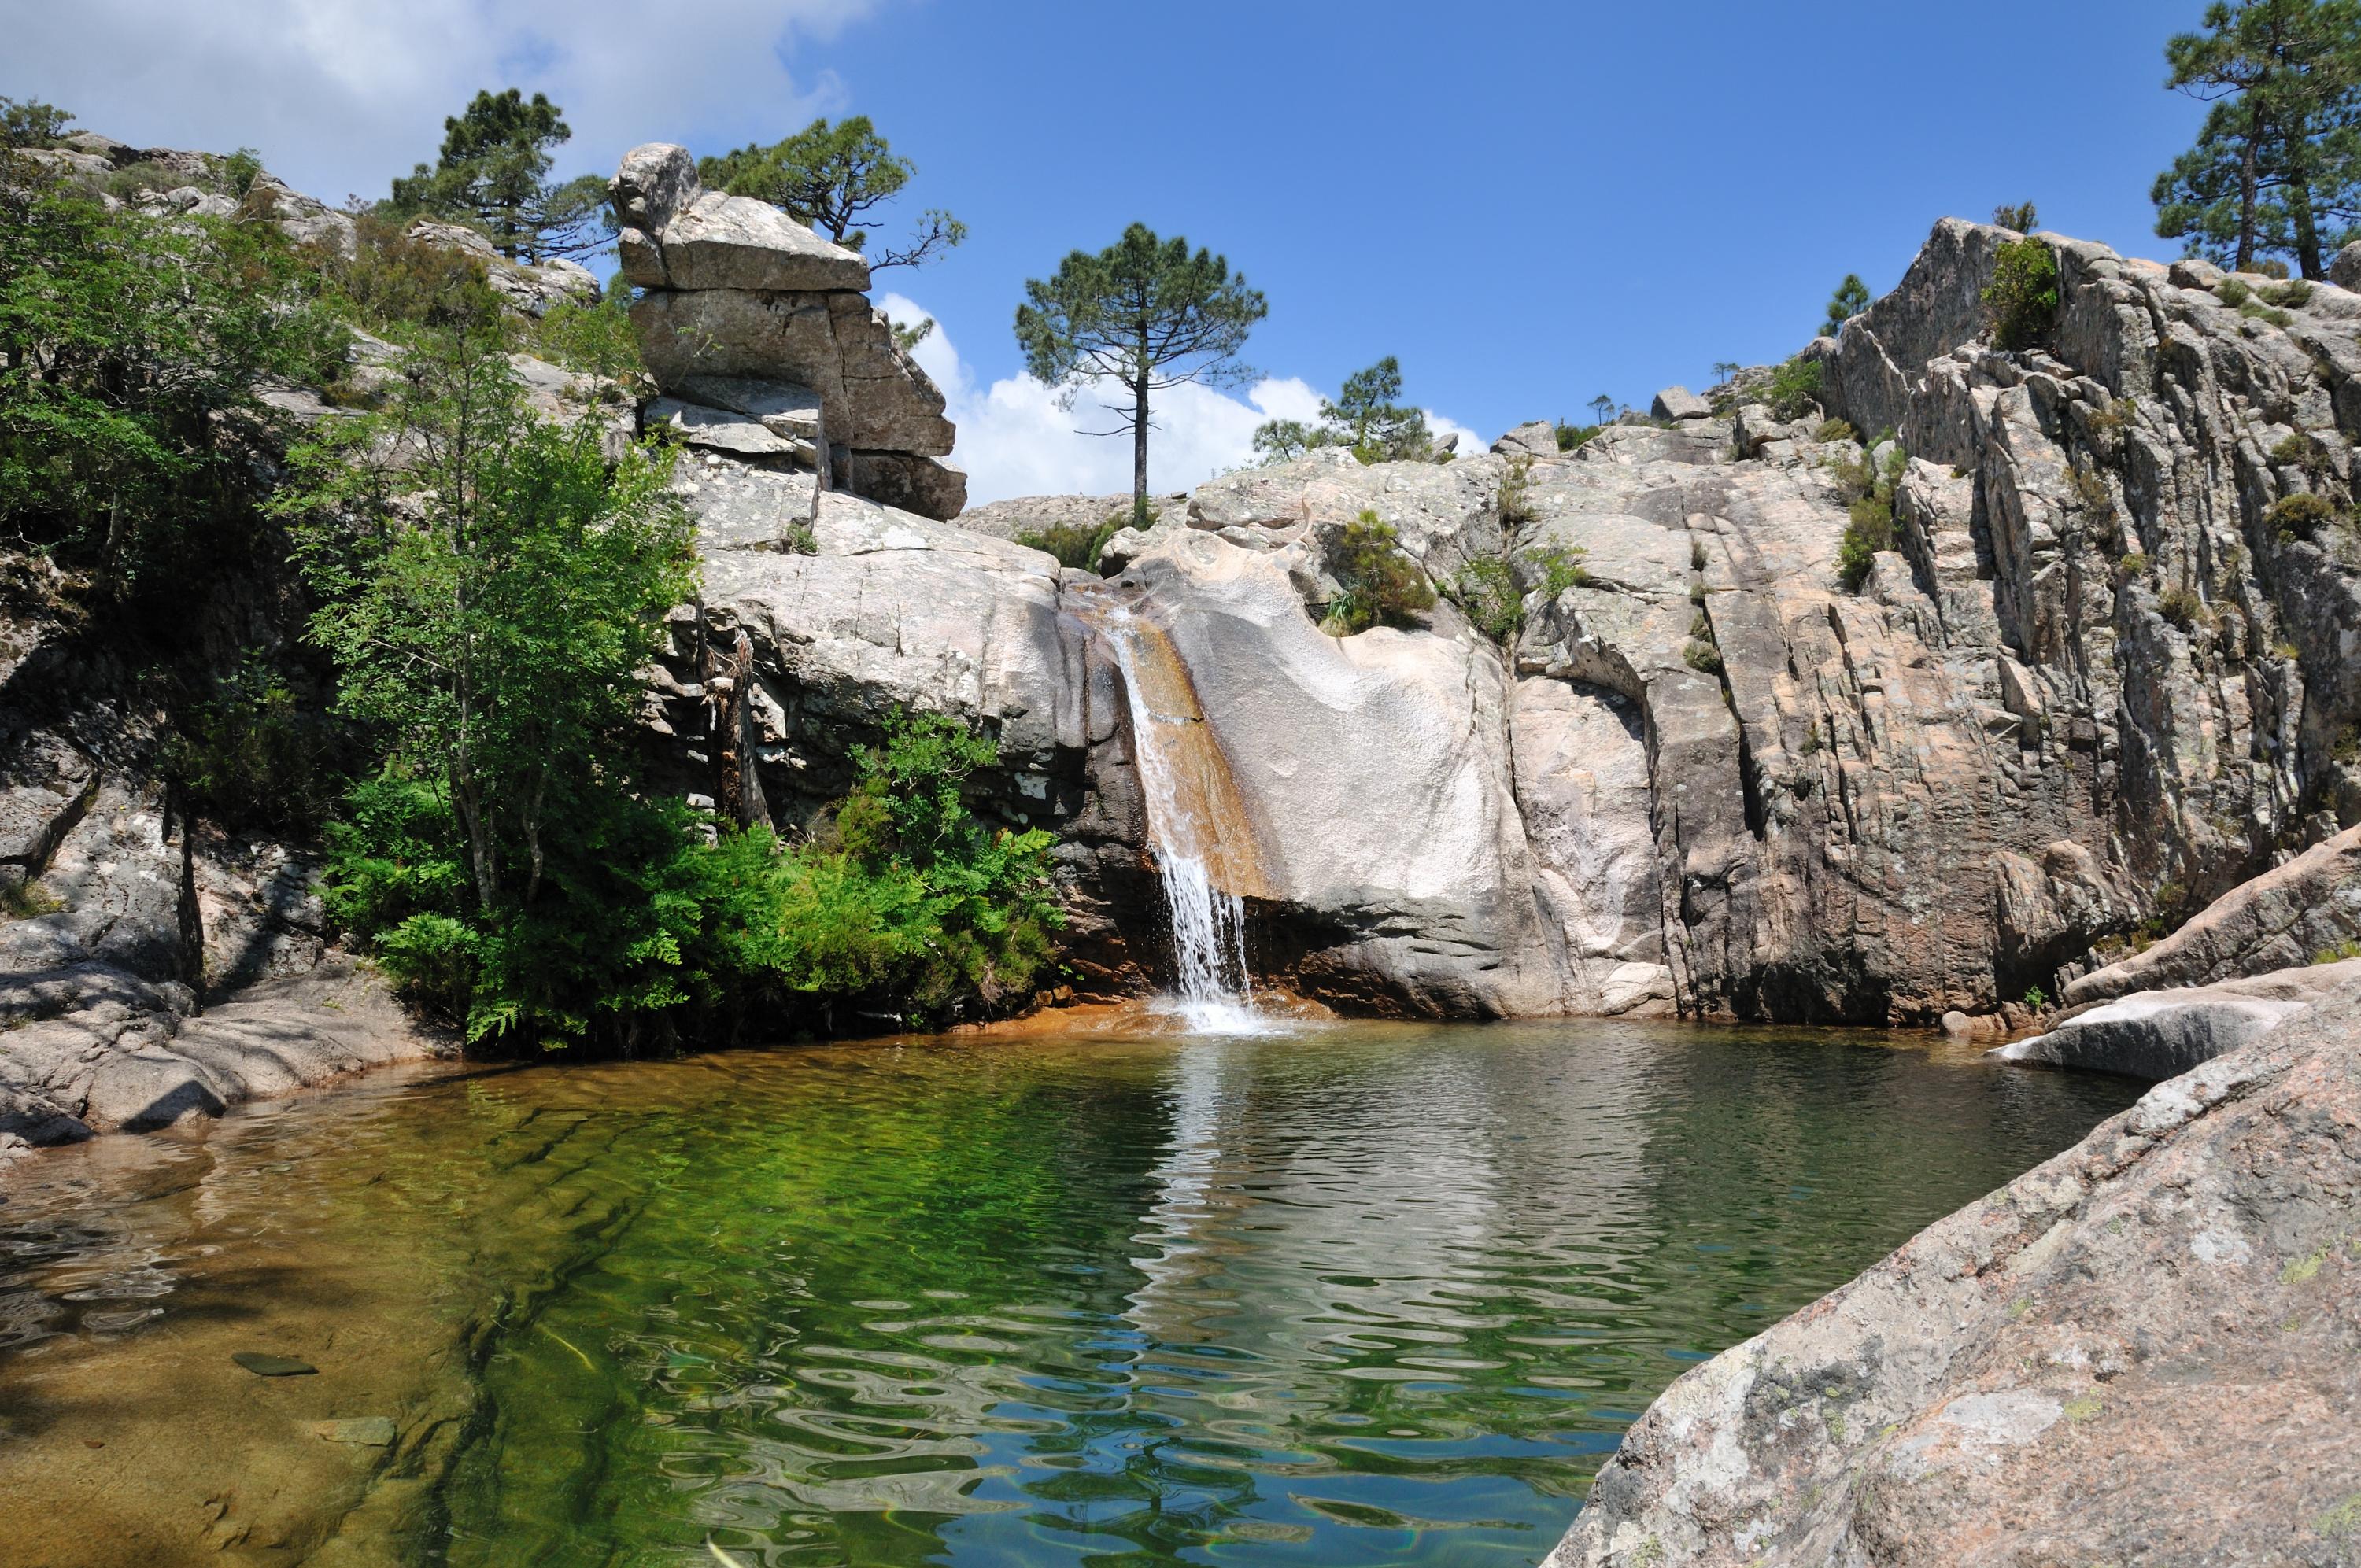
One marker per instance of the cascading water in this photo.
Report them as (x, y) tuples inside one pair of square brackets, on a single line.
[(1189, 799)]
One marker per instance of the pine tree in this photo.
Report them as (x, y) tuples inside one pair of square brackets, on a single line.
[(1850, 299), (2276, 166), (831, 176), (1146, 314), (493, 171)]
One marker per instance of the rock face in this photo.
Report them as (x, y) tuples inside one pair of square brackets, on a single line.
[(2163, 1034), (736, 291), (2146, 1350), (2292, 915)]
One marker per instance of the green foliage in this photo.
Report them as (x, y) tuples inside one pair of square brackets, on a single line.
[(1363, 416), (2021, 302), (131, 352), (2300, 516), (1869, 525), (2181, 606), (492, 172), (1701, 656), (396, 286), (1794, 388), (2017, 215), (29, 123), (1834, 429), (2338, 953), (907, 335), (596, 339), (2232, 292), (2294, 294), (1382, 587), (2118, 415), (1486, 589), (250, 754), (2304, 451), (241, 170), (1561, 568), (489, 586), (1079, 547), (1850, 299), (1144, 312), (2133, 565), (1517, 492), (2277, 165), (1573, 437), (830, 178), (2036, 998)]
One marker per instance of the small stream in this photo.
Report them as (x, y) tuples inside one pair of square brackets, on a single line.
[(1368, 1294)]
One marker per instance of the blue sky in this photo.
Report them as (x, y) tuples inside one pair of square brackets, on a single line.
[(1529, 204)]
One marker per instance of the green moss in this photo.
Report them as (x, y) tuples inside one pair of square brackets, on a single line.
[(2342, 1523), (2083, 1407)]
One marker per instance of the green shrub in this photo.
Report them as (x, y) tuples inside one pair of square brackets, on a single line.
[(1834, 430), (1793, 389), (2272, 268), (1486, 590), (2133, 565), (398, 287), (1561, 568), (596, 340), (2036, 998), (2303, 450), (2232, 292), (2017, 215), (2118, 415), (2298, 516), (1517, 492), (799, 540), (1702, 657), (2294, 295), (1697, 555), (247, 754), (1079, 547), (1382, 587), (2181, 606), (2254, 310), (1571, 437), (1869, 519), (2022, 299), (2338, 953)]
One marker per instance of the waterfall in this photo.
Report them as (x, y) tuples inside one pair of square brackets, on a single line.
[(1191, 800)]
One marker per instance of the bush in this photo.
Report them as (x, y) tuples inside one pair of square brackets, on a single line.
[(247, 754), (2017, 215), (2304, 451), (1516, 492), (2022, 299), (2133, 564), (398, 287), (1486, 589), (2298, 516), (2232, 292), (1561, 568), (1834, 429), (2181, 606), (1869, 519), (1571, 437), (2294, 295), (1381, 586), (1702, 657), (1793, 389)]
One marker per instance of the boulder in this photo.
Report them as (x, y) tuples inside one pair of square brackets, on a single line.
[(737, 242), (876, 397), (1679, 402), (1536, 439), (2082, 1367), (2289, 915), (1036, 514), (928, 486), (785, 408), (2344, 270), (654, 180), (720, 430), (2162, 1034)]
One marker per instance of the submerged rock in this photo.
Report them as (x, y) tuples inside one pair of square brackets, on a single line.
[(2146, 1350)]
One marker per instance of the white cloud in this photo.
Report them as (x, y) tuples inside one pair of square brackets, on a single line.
[(1015, 440), (340, 97)]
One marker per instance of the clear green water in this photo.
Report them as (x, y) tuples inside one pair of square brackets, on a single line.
[(1368, 1295)]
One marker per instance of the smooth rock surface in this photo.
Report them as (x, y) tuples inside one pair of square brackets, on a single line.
[(2158, 1034), (737, 242), (2146, 1350), (1679, 402)]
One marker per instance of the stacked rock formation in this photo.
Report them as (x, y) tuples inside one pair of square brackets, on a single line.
[(759, 334)]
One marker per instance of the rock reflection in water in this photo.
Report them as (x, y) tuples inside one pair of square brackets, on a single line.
[(1374, 1293)]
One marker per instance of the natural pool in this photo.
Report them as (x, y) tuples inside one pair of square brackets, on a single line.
[(1365, 1294)]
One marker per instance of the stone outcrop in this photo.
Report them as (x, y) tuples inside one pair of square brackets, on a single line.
[(2162, 1034), (2146, 1350), (736, 291), (2294, 914)]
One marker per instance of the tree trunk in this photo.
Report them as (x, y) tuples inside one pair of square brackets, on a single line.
[(1140, 445), (2246, 179)]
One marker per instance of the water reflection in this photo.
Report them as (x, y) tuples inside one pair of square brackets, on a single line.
[(1367, 1295)]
